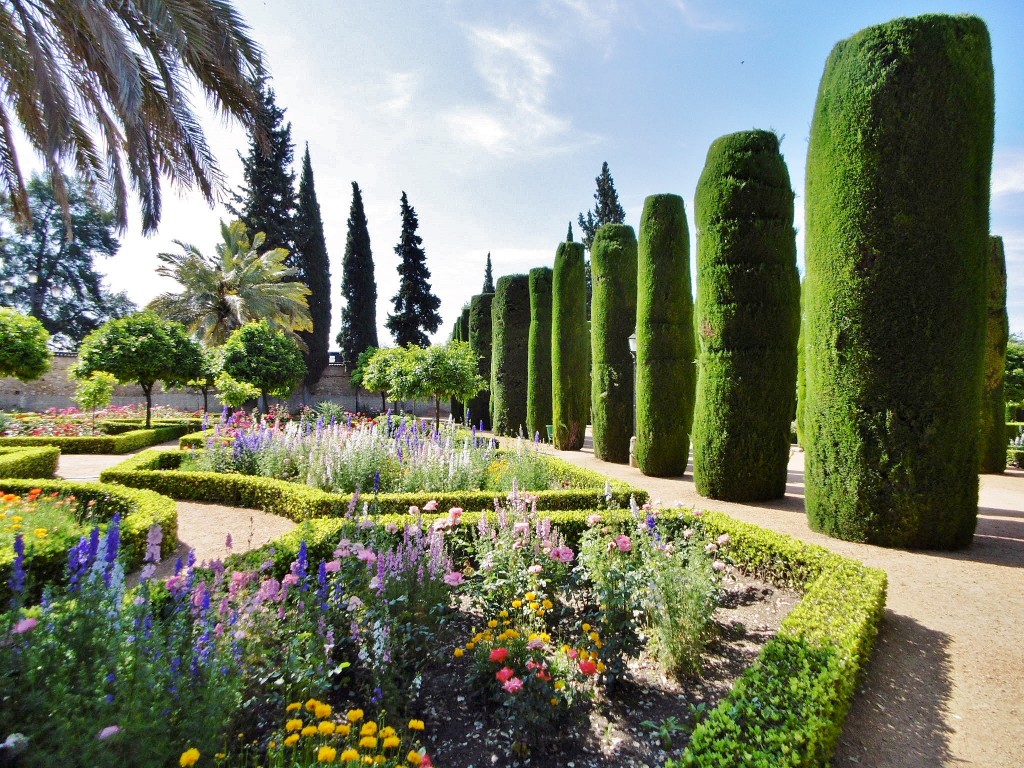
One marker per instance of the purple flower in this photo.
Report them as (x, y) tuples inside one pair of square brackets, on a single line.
[(454, 578), (18, 570), (153, 540), (718, 565), (25, 625), (110, 730)]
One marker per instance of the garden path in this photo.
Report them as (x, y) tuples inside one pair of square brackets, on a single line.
[(946, 683)]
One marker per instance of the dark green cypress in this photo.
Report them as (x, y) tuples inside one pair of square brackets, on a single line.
[(311, 251), (570, 355), (510, 329), (666, 376), (993, 406), (460, 332), (488, 277), (479, 408), (538, 386), (898, 178), (415, 303), (358, 287), (747, 318), (801, 375), (613, 257)]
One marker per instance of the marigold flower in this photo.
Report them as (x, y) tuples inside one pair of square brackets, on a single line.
[(517, 603), (323, 711), (530, 595), (415, 725), (326, 754), (354, 715), (470, 646), (459, 653), (295, 706), (369, 729), (548, 604), (492, 623), (368, 742), (387, 731), (391, 742), (414, 758), (188, 757), (586, 627), (343, 729), (309, 730), (293, 725), (326, 728), (311, 704), (290, 741), (349, 756), (554, 702)]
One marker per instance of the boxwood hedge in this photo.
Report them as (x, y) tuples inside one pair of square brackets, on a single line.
[(29, 461), (132, 440)]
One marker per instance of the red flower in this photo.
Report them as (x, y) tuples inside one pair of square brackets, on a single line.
[(505, 674), (588, 667), (498, 655)]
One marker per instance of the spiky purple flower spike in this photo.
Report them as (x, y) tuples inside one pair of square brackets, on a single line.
[(18, 570)]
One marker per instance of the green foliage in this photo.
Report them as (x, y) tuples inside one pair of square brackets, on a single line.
[(488, 277), (992, 439), (315, 271), (23, 351), (264, 357), (125, 442), (358, 287), (480, 337), (394, 370), (613, 258), (28, 462), (95, 391), (665, 377), (510, 329), (1015, 457), (1013, 382), (52, 276), (606, 208), (570, 359), (538, 385), (449, 371), (415, 303), (801, 374), (747, 319), (233, 392), (898, 179)]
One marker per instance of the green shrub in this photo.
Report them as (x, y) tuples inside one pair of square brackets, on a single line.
[(479, 408), (538, 385), (125, 442), (1015, 457), (570, 355), (665, 374), (29, 462), (613, 263), (897, 215), (801, 374), (992, 440), (510, 328), (747, 318)]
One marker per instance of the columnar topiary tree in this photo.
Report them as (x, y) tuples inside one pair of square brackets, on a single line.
[(666, 376), (993, 407), (898, 176), (570, 358), (747, 319), (801, 374), (479, 408), (460, 333), (612, 322), (510, 329), (538, 385)]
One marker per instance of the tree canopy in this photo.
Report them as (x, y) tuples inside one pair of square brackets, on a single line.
[(264, 357), (23, 351), (311, 253), (358, 287), (606, 208), (415, 304)]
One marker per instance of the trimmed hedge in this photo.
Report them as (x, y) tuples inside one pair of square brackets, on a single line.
[(46, 559), (479, 407), (157, 471), (510, 340), (801, 373), (29, 462), (460, 333), (666, 377), (992, 440), (538, 385), (613, 264), (897, 209), (747, 317), (570, 348), (1015, 457), (126, 442)]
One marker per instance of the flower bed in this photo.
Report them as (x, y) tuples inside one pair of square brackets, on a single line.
[(156, 470), (28, 462)]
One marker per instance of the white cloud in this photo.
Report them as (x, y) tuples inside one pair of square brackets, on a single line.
[(1008, 173), (700, 21)]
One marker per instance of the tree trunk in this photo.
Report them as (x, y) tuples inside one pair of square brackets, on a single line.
[(148, 390), (437, 413), (206, 402), (263, 396)]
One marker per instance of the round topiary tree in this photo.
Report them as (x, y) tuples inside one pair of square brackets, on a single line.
[(747, 318), (898, 177), (665, 374), (538, 385), (570, 357), (23, 351), (613, 259), (266, 358), (510, 328), (478, 410), (993, 406)]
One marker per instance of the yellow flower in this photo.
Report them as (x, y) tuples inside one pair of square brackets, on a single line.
[(293, 725), (503, 614), (517, 603), (415, 725), (595, 637), (326, 728), (326, 754), (601, 667), (414, 758), (354, 715), (540, 611), (534, 605), (388, 731), (586, 627), (323, 711), (40, 533), (530, 595), (295, 706), (311, 705), (309, 730), (188, 757), (459, 653), (379, 760), (470, 646), (349, 756), (343, 729), (369, 729), (554, 702), (548, 604), (559, 685), (492, 623), (391, 742), (222, 755), (290, 741), (368, 742)]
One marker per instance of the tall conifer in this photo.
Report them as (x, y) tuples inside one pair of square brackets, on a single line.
[(311, 252), (488, 277), (415, 304), (358, 287)]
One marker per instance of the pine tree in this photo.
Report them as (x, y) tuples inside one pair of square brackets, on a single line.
[(568, 236), (266, 202), (415, 304), (488, 277), (606, 209), (311, 252), (358, 287)]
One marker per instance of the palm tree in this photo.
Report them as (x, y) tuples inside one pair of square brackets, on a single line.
[(238, 286), (104, 85)]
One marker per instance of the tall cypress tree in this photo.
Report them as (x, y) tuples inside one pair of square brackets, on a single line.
[(311, 252), (488, 277), (415, 304), (358, 287), (266, 202), (606, 208)]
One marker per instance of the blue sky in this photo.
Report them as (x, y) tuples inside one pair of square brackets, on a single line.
[(495, 118)]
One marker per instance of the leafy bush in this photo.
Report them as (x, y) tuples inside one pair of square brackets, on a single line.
[(29, 462), (126, 442)]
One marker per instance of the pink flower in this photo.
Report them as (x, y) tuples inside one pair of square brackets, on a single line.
[(414, 510), (562, 554), (535, 645), (698, 513), (711, 548), (332, 566), (513, 685), (505, 674), (25, 625), (454, 578), (290, 580), (594, 520), (535, 569), (498, 655), (441, 523), (455, 513), (718, 565), (109, 731), (391, 527), (367, 555), (521, 527), (688, 534), (588, 667), (724, 539), (624, 543), (430, 506)]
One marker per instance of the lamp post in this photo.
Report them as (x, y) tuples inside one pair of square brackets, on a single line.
[(632, 440)]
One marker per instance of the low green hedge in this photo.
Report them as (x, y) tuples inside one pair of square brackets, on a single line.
[(140, 510), (29, 462), (197, 439), (157, 470), (1015, 457), (126, 442), (788, 709)]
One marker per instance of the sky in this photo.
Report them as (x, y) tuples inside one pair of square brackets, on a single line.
[(495, 119)]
